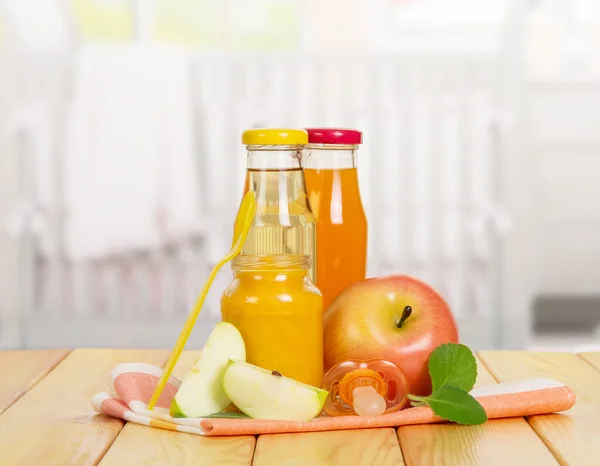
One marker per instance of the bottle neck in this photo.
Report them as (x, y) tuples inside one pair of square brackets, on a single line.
[(274, 157), (271, 267), (328, 156), (273, 275)]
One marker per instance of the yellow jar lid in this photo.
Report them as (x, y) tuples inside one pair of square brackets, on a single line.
[(274, 136)]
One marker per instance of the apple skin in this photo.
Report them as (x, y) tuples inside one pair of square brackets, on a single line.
[(361, 323)]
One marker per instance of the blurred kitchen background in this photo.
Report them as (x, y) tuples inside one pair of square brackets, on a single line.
[(121, 164)]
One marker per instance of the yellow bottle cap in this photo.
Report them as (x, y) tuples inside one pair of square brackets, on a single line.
[(274, 136)]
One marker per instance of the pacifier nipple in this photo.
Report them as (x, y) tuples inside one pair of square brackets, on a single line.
[(367, 402), (365, 388)]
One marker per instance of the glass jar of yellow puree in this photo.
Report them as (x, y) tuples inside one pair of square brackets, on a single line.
[(279, 313)]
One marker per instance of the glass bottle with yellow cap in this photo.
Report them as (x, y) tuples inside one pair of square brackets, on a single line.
[(284, 223)]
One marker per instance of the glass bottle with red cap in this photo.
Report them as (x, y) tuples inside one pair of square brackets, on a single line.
[(331, 180)]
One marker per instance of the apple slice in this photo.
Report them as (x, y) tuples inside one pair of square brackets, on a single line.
[(262, 394), (201, 392)]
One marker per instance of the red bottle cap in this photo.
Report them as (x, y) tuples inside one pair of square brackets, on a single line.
[(333, 136)]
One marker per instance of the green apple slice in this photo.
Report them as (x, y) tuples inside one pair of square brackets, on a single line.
[(201, 392), (262, 394)]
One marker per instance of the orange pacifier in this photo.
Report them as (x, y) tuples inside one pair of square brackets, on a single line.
[(365, 388)]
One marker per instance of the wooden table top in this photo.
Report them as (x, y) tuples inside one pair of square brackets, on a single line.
[(46, 419)]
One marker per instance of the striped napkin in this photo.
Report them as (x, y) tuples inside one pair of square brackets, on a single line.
[(133, 385)]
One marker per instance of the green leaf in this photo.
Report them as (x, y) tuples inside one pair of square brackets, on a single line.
[(452, 364), (228, 415), (456, 405)]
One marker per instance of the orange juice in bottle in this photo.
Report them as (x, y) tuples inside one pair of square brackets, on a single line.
[(279, 313), (332, 184)]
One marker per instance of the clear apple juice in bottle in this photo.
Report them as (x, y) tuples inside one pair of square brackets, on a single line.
[(284, 222)]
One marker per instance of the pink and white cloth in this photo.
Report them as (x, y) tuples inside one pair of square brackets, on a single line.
[(133, 385)]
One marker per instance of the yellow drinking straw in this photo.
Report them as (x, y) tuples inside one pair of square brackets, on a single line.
[(242, 225)]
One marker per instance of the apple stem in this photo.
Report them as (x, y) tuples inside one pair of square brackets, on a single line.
[(405, 315)]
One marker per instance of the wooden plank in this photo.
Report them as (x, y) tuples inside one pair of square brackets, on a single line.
[(483, 375), (138, 444), (574, 436), (54, 423), (474, 445), (21, 370), (592, 358), (147, 446), (357, 447), (498, 442)]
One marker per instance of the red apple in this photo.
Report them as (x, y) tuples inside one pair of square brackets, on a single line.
[(397, 318)]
